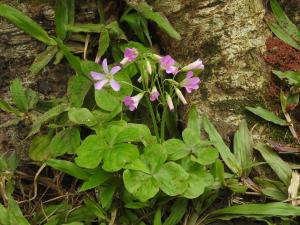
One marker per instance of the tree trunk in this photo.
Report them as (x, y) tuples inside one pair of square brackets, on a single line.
[(230, 37)]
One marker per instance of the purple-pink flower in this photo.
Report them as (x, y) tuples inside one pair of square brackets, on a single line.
[(130, 55), (170, 102), (167, 63), (190, 82), (107, 77), (133, 102), (154, 94), (197, 65)]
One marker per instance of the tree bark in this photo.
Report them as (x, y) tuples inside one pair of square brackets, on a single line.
[(230, 37)]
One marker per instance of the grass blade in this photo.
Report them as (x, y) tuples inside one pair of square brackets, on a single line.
[(224, 151), (243, 148), (267, 115), (280, 167), (42, 60), (282, 35), (25, 23), (147, 11), (282, 19)]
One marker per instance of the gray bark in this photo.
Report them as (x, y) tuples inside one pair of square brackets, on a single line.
[(230, 37)]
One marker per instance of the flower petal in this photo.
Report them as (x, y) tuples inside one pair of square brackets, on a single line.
[(104, 66), (115, 69), (114, 85), (97, 76), (99, 85)]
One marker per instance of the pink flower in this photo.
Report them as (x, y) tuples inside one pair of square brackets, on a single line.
[(167, 63), (170, 102), (154, 94), (180, 96), (190, 83), (107, 77), (130, 55), (197, 65), (133, 102)]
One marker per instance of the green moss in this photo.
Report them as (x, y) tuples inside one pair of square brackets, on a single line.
[(236, 106), (204, 91)]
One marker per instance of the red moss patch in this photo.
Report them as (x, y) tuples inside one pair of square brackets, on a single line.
[(281, 55)]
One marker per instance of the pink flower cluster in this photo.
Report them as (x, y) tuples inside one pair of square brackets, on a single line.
[(166, 63)]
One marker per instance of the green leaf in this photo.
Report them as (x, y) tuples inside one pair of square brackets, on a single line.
[(137, 23), (95, 180), (282, 35), (176, 149), (155, 156), (66, 141), (121, 154), (194, 121), (7, 107), (4, 215), (64, 14), (86, 28), (68, 168), (235, 186), (25, 23), (198, 180), (82, 116), (32, 98), (280, 167), (38, 150), (131, 132), (147, 11), (42, 60), (282, 19), (140, 184), (267, 210), (78, 87), (15, 215), (293, 77), (107, 194), (178, 210), (18, 95), (91, 152), (103, 42), (74, 61), (267, 115), (243, 148), (172, 179), (206, 155), (115, 31), (52, 113), (157, 217), (224, 151), (96, 209)]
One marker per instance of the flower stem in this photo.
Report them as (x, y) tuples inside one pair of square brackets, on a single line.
[(153, 119), (163, 123)]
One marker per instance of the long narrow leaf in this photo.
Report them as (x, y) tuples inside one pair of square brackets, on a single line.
[(25, 23), (282, 19), (18, 95), (267, 115), (73, 60), (292, 77), (280, 167), (266, 210), (147, 11), (42, 60), (243, 148), (68, 168), (282, 35), (224, 151)]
